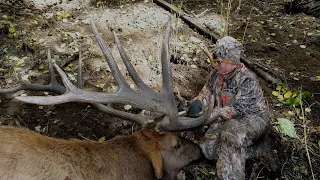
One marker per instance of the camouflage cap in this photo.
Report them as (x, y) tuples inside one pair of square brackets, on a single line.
[(229, 49)]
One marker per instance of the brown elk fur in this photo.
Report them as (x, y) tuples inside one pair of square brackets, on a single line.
[(28, 155)]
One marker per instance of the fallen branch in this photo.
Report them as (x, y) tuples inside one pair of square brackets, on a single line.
[(264, 75), (214, 37), (188, 20)]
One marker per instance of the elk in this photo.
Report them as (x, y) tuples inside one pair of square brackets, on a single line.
[(145, 154)]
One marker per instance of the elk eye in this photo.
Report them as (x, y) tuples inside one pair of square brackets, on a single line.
[(177, 146)]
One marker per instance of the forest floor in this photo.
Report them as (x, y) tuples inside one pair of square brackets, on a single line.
[(283, 44)]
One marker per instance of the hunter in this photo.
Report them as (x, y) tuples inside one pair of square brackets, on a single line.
[(240, 115)]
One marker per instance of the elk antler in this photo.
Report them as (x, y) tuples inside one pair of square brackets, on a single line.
[(146, 99), (54, 86)]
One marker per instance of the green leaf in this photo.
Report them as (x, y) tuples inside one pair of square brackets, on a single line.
[(287, 94), (102, 139), (41, 66), (67, 68), (280, 97), (290, 102), (275, 93), (12, 30), (49, 113), (10, 36), (127, 107), (16, 69), (286, 127), (305, 94), (303, 170), (204, 169), (100, 85)]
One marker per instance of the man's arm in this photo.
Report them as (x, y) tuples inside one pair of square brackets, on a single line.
[(247, 95), (200, 102)]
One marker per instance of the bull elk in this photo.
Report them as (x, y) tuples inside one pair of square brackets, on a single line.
[(145, 154)]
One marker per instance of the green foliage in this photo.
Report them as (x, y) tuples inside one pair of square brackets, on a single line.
[(297, 101), (62, 15), (178, 6), (293, 99), (12, 29), (286, 127), (127, 107), (102, 139)]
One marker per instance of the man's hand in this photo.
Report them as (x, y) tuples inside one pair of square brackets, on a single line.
[(195, 109), (214, 116)]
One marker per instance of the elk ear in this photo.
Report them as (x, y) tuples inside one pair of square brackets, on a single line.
[(149, 143), (157, 163), (170, 141)]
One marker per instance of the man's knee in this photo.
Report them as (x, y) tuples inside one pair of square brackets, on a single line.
[(232, 133)]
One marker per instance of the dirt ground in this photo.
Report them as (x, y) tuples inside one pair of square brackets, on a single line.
[(286, 45)]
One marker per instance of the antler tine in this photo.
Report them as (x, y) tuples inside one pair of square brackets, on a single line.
[(175, 122), (167, 87), (166, 69), (110, 60), (79, 77), (165, 60), (187, 122), (54, 86), (54, 83), (129, 66), (142, 120)]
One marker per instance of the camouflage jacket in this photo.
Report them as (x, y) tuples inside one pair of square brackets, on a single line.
[(237, 94)]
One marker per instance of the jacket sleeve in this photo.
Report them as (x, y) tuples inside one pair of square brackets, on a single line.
[(246, 96)]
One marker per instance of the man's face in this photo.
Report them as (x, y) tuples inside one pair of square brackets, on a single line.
[(224, 66)]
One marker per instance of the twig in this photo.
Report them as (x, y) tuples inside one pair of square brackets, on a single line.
[(206, 51), (305, 140), (259, 173), (228, 16), (245, 30), (239, 5), (201, 14)]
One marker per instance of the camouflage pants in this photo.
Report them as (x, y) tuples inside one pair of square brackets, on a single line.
[(227, 142)]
